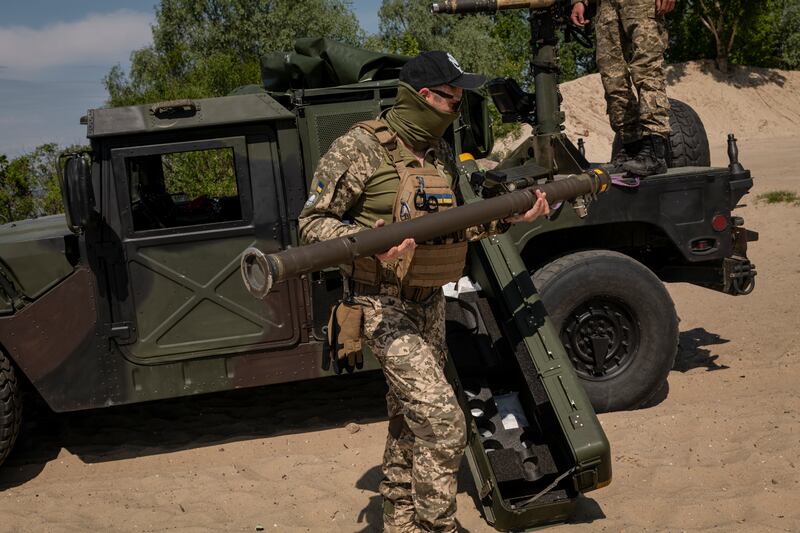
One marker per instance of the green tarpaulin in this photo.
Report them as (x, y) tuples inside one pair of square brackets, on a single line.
[(319, 62)]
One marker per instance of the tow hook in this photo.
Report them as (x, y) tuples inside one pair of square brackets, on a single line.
[(740, 276)]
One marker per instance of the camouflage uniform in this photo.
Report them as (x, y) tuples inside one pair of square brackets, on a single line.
[(427, 429), (631, 41)]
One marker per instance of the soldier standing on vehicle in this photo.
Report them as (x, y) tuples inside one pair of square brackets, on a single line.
[(382, 171), (631, 41)]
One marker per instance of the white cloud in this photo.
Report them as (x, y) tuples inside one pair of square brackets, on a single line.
[(98, 38)]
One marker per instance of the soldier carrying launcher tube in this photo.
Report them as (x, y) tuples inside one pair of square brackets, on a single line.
[(392, 169)]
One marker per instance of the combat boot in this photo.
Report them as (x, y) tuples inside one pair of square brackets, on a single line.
[(626, 153), (651, 159), (399, 518)]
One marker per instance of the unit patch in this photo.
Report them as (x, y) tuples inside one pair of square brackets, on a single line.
[(311, 200), (443, 199)]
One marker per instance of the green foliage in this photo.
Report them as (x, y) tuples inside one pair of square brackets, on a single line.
[(576, 61), (29, 184), (496, 45), (200, 173), (789, 34), (205, 48), (777, 197), (765, 34), (688, 38), (16, 202), (407, 27)]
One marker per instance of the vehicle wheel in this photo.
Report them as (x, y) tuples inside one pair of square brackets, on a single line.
[(617, 322), (688, 142), (10, 407)]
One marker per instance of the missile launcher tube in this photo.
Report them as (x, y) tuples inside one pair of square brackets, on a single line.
[(260, 272), (484, 6)]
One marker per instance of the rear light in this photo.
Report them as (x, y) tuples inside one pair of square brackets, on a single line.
[(702, 246), (719, 222)]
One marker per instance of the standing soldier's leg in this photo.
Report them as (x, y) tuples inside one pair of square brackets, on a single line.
[(397, 334), (647, 36), (621, 104)]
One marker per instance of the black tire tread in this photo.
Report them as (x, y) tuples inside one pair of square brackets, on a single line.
[(542, 277), (10, 406), (688, 141)]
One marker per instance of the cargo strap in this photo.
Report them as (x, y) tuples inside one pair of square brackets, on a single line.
[(626, 182), (545, 490)]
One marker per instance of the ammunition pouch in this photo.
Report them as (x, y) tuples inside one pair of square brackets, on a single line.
[(342, 351), (437, 264)]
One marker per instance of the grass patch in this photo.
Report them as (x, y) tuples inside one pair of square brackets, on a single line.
[(778, 197)]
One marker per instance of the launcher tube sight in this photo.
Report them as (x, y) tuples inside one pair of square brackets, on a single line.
[(260, 271)]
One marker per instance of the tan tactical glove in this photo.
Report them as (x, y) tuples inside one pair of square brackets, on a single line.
[(343, 350)]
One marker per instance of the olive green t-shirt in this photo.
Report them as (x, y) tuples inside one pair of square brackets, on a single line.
[(377, 200)]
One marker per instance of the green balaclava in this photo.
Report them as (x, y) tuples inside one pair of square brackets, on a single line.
[(419, 124)]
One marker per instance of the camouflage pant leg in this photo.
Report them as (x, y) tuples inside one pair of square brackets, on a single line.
[(621, 104), (631, 42), (408, 340), (398, 462), (647, 34)]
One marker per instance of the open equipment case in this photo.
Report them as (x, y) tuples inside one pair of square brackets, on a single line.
[(534, 441)]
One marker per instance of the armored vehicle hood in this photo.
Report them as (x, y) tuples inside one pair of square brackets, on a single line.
[(33, 258)]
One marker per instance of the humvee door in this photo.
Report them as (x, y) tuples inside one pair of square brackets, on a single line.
[(186, 215)]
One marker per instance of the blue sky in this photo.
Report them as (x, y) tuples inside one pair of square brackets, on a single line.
[(54, 54)]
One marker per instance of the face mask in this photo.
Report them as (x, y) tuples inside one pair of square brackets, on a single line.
[(419, 124)]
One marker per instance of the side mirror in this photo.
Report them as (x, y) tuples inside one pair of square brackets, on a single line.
[(76, 190)]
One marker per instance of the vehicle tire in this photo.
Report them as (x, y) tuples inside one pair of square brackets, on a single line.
[(688, 142), (600, 299), (10, 407)]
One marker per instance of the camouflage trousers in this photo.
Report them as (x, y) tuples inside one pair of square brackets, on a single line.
[(631, 41), (427, 430)]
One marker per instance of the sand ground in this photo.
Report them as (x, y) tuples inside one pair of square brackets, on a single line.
[(718, 453)]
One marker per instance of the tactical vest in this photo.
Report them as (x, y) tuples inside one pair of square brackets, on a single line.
[(422, 191)]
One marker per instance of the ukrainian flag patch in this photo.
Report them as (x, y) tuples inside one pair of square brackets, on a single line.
[(320, 186), (443, 199)]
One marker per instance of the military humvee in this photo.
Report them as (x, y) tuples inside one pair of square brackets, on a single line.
[(135, 294), (142, 299)]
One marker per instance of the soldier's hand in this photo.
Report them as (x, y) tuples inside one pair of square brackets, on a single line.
[(578, 12), (664, 6), (395, 251), (540, 209)]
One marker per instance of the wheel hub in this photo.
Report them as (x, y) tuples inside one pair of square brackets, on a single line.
[(600, 337)]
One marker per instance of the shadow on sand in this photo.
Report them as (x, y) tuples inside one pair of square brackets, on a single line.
[(738, 76), (166, 426)]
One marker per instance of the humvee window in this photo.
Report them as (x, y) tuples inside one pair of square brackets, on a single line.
[(183, 188)]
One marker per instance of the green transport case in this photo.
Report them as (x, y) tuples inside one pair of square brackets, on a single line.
[(535, 443)]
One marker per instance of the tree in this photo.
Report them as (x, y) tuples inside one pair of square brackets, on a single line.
[(789, 32), (16, 202), (725, 18), (497, 45), (29, 184), (688, 38), (204, 48)]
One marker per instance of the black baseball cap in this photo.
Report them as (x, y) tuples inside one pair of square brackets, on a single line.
[(435, 67)]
